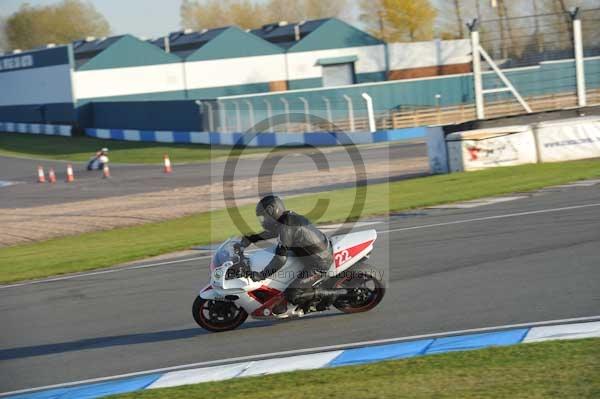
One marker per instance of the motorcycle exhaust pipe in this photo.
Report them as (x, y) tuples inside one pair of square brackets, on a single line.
[(320, 293)]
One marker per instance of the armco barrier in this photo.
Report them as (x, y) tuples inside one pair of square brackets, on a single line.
[(403, 348), (260, 139), (35, 128)]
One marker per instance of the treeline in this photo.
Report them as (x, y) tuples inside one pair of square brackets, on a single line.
[(392, 20)]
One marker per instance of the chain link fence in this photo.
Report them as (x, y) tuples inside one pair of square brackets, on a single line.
[(537, 54), (529, 40), (590, 32)]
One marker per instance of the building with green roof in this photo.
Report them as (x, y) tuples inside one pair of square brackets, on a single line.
[(235, 62), (126, 68)]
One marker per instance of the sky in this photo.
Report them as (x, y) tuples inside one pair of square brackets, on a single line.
[(144, 18)]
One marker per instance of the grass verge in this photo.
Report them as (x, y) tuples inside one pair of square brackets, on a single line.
[(106, 248), (557, 369), (82, 148)]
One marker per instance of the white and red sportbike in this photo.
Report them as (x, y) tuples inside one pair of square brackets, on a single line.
[(350, 285)]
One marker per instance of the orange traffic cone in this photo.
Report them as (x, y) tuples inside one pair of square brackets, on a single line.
[(105, 171), (167, 162), (51, 176), (41, 175), (70, 176)]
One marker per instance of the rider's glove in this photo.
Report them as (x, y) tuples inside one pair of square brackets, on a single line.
[(245, 242), (238, 248)]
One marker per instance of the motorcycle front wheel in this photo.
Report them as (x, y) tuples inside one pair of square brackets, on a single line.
[(366, 291), (217, 316)]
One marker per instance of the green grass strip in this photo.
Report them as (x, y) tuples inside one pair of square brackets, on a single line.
[(82, 148), (106, 248), (556, 369)]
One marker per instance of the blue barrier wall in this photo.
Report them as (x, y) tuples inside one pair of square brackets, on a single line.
[(56, 113), (143, 115), (261, 139)]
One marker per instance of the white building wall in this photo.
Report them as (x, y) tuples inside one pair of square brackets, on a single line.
[(432, 53), (128, 81), (303, 65), (235, 71), (260, 69), (45, 85)]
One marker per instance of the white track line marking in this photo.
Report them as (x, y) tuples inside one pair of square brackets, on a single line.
[(477, 203), (122, 269), (310, 350), (6, 183), (509, 215), (505, 216)]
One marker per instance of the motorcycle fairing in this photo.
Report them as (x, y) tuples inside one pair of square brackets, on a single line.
[(348, 250)]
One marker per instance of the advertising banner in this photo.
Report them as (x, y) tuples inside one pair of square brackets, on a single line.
[(569, 139), (485, 148)]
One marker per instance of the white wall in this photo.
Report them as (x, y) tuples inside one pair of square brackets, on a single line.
[(128, 81), (432, 53), (45, 85), (303, 65), (235, 71)]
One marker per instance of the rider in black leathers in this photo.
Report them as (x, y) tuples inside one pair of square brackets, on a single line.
[(297, 234)]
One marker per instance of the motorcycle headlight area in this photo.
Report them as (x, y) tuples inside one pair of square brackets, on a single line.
[(221, 271), (218, 274)]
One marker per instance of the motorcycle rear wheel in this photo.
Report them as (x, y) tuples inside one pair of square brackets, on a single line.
[(217, 316), (368, 292)]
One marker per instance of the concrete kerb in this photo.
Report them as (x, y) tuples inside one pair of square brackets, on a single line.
[(315, 358)]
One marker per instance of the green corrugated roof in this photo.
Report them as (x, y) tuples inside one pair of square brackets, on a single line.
[(234, 43), (334, 34), (129, 51)]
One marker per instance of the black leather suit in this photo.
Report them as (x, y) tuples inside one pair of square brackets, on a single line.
[(308, 243)]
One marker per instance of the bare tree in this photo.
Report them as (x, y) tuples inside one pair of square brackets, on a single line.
[(210, 14), (3, 39), (459, 20), (450, 23), (478, 8), (248, 14), (284, 10), (314, 9)]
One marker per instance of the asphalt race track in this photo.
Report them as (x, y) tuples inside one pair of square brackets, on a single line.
[(527, 260), (134, 179)]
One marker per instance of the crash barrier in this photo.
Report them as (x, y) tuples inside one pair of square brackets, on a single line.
[(35, 128), (393, 349), (261, 139), (553, 141)]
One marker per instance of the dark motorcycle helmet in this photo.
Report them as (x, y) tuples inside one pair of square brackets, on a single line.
[(268, 210)]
